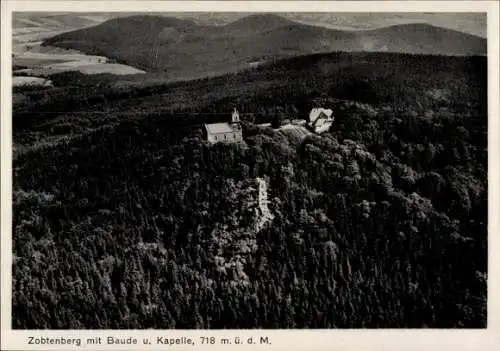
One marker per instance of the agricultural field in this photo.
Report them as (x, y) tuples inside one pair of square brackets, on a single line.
[(31, 58), (32, 81)]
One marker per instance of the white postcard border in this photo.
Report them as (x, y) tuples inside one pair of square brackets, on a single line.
[(355, 339)]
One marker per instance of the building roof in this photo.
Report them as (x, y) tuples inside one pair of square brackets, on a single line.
[(216, 128), (316, 112)]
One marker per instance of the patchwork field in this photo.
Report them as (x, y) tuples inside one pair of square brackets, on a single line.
[(32, 81), (30, 58), (35, 60)]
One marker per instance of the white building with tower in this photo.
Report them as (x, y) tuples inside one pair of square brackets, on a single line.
[(225, 132)]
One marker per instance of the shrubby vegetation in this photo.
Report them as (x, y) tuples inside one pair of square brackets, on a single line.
[(380, 223)]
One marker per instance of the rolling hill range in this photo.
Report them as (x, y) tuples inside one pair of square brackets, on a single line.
[(183, 48)]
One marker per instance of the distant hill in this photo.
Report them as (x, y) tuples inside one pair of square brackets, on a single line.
[(51, 21), (183, 48), (255, 24), (420, 38), (37, 26)]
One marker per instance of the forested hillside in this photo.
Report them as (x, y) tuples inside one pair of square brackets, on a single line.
[(382, 222), (179, 48)]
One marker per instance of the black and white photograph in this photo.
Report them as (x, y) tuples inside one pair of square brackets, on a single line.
[(249, 170)]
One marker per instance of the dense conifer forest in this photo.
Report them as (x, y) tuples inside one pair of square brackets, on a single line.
[(130, 219)]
